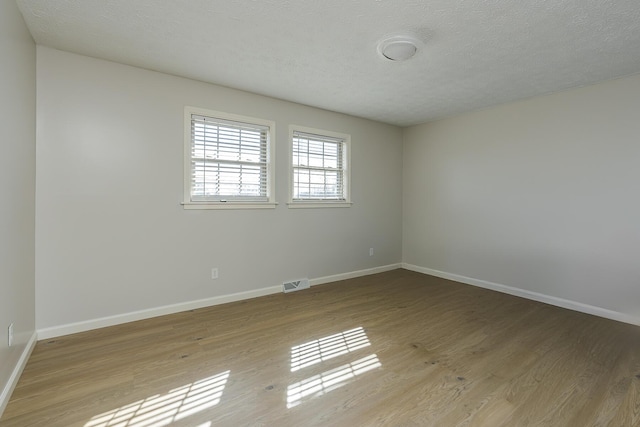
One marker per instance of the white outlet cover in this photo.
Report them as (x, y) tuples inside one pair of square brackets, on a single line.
[(10, 335)]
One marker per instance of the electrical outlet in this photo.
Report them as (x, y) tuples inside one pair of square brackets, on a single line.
[(370, 251), (10, 335), (214, 273)]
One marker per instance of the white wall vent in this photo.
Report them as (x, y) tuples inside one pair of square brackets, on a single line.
[(295, 285)]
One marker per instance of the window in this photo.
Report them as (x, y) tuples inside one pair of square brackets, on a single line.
[(320, 168), (227, 161)]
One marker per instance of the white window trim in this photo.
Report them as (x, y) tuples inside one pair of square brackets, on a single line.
[(306, 204), (231, 204)]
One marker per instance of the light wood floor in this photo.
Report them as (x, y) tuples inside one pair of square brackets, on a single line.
[(392, 349)]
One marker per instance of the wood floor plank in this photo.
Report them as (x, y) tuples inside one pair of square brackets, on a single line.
[(392, 349)]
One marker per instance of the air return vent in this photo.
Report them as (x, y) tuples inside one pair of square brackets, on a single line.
[(295, 285)]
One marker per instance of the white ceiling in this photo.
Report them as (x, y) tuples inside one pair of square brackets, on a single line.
[(475, 53)]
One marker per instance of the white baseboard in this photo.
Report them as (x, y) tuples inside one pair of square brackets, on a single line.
[(87, 325), (535, 296), (354, 274), (17, 371), (102, 322)]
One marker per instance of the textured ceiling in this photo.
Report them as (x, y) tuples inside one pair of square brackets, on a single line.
[(474, 54)]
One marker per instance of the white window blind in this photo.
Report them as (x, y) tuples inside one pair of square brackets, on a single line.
[(229, 160), (319, 166)]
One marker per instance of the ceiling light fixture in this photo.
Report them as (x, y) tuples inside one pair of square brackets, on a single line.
[(398, 48)]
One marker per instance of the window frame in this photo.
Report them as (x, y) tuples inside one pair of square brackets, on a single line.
[(346, 170), (188, 203)]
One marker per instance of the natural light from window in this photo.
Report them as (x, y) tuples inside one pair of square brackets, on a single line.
[(323, 383), (326, 348), (228, 160), (319, 165), (163, 410)]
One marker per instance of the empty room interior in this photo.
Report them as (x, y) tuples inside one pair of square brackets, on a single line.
[(299, 213)]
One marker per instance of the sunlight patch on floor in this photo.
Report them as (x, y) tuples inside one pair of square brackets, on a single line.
[(326, 348), (323, 383), (162, 410)]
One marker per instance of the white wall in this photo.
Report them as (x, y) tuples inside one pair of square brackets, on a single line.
[(17, 190), (111, 235), (541, 195)]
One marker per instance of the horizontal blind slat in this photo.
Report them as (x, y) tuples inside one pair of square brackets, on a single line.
[(229, 159), (318, 167)]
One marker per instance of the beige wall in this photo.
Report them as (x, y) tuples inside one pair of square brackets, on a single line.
[(17, 188), (540, 195), (112, 237)]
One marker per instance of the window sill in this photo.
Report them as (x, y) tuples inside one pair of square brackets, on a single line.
[(228, 205), (313, 205)]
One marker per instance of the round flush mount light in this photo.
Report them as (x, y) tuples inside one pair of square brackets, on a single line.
[(398, 48)]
